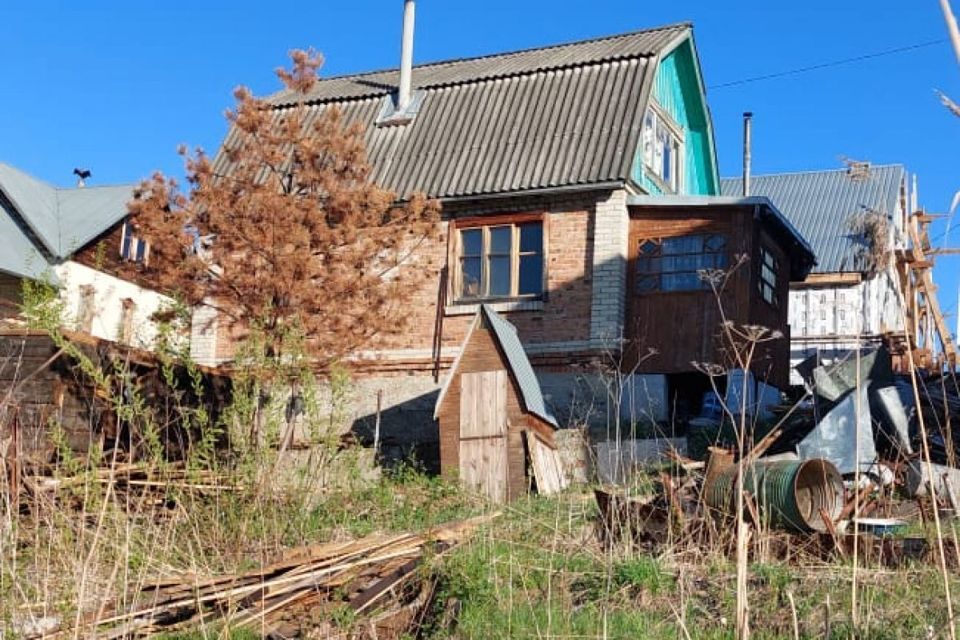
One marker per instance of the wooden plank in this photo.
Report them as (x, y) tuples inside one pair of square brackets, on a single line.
[(546, 466), (483, 426), (483, 466), (483, 404)]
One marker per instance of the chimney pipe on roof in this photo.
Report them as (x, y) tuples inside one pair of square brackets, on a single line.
[(406, 55), (747, 130)]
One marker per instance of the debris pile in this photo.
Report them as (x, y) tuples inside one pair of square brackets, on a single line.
[(845, 462), (377, 576)]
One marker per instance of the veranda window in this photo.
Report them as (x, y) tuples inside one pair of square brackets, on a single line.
[(675, 264)]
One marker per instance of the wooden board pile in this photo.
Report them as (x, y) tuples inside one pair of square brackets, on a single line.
[(304, 589)]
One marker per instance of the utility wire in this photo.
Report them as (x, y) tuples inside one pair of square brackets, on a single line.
[(833, 63)]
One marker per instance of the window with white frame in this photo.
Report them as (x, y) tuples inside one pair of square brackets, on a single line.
[(132, 248), (663, 150), (500, 261)]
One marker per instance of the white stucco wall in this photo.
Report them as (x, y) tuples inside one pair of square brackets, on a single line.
[(109, 293)]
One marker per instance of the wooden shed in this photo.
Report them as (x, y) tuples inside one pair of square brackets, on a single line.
[(493, 418)]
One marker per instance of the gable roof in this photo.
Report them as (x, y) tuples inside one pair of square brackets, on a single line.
[(821, 204), (518, 364), (558, 116), (42, 224)]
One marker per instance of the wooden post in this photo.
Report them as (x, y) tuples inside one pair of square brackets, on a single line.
[(376, 428)]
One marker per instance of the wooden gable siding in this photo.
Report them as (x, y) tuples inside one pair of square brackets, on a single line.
[(677, 91), (11, 296), (103, 254), (482, 353), (686, 326)]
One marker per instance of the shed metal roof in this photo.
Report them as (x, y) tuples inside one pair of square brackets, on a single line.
[(42, 224), (542, 118), (519, 365), (821, 204)]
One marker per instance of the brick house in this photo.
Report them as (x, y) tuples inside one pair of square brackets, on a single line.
[(554, 167), (75, 239)]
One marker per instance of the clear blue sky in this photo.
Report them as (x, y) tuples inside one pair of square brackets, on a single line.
[(116, 86)]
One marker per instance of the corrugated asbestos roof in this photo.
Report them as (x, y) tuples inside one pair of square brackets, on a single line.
[(820, 204), (556, 116), (42, 224), (520, 368)]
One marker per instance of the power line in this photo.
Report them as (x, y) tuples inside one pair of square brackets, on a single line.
[(833, 63)]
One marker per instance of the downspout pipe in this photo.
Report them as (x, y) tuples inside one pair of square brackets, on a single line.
[(406, 55), (747, 142)]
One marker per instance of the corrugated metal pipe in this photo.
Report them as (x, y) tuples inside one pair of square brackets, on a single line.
[(406, 55), (747, 142), (789, 494)]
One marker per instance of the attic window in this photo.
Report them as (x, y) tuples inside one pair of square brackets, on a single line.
[(662, 148), (132, 248)]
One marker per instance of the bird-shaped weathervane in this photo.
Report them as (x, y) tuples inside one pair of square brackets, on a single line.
[(82, 175)]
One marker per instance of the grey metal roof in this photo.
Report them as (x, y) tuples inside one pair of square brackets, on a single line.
[(821, 204), (542, 118), (520, 366), (522, 372), (42, 224)]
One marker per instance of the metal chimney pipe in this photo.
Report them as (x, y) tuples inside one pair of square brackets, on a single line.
[(747, 127), (406, 55)]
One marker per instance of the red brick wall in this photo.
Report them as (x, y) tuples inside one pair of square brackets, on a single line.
[(565, 315)]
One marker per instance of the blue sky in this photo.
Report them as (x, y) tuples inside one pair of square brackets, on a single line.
[(116, 86)]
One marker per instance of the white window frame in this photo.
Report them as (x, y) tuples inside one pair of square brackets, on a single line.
[(131, 251), (652, 154)]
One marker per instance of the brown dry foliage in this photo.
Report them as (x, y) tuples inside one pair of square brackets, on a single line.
[(299, 237)]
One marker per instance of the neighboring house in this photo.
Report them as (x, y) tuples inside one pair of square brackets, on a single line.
[(74, 239), (846, 301), (551, 165)]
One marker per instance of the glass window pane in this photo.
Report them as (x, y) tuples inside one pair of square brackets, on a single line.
[(531, 275), (499, 276), (648, 283), (141, 250), (470, 273), (648, 247), (649, 265), (501, 240), (715, 243), (472, 241), (531, 237)]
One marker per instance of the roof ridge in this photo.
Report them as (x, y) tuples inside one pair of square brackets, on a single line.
[(501, 54), (811, 171)]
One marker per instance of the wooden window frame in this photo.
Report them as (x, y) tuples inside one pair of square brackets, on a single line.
[(763, 282), (486, 223), (659, 242)]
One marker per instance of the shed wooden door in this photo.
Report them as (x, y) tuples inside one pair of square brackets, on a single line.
[(483, 432)]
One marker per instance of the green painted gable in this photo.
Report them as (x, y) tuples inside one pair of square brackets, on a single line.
[(677, 89)]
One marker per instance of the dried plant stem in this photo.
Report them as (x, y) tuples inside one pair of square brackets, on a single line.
[(925, 449)]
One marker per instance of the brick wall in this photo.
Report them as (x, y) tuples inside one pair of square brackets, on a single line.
[(571, 317), (609, 268)]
